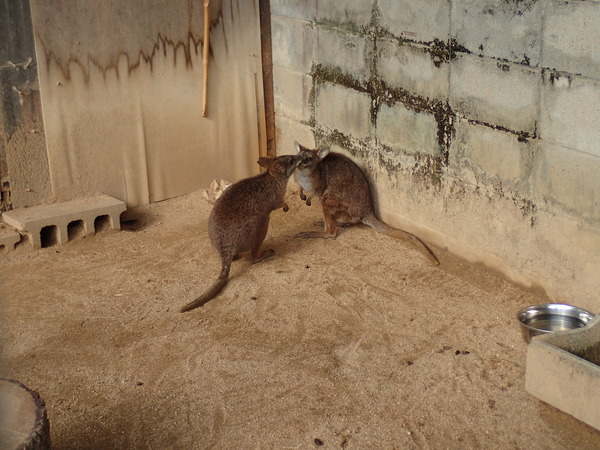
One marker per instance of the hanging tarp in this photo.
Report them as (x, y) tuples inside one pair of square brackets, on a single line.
[(121, 86)]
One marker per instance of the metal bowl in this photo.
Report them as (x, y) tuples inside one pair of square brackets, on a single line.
[(551, 317)]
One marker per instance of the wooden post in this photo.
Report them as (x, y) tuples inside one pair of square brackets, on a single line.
[(206, 45), (267, 75)]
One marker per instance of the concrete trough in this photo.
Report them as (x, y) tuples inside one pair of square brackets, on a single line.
[(563, 369), (48, 225)]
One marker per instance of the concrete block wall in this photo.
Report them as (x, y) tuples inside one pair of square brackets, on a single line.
[(476, 121)]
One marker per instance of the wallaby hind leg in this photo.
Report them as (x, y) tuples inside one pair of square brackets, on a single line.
[(329, 232), (261, 233), (330, 224)]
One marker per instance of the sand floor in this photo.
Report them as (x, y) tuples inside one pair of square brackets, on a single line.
[(356, 342)]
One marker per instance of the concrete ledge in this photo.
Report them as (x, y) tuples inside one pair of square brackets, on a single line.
[(556, 375), (8, 240), (47, 225)]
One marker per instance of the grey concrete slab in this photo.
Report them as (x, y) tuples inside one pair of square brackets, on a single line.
[(293, 44), (287, 131), (556, 374), (492, 92), (349, 52), (570, 112), (293, 9), (571, 37), (344, 109), (418, 20), (499, 29), (569, 178), (493, 154), (291, 92), (404, 130), (411, 68), (352, 14), (56, 218)]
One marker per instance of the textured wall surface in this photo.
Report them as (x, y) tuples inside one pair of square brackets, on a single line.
[(121, 87), (476, 121), (22, 142)]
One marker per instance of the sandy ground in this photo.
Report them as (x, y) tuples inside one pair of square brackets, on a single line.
[(356, 342)]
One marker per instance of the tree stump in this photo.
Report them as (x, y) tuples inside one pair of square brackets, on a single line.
[(23, 418)]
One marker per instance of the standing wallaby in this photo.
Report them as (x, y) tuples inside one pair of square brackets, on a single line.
[(240, 218), (345, 195)]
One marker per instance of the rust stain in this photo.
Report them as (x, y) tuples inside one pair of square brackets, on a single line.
[(133, 62)]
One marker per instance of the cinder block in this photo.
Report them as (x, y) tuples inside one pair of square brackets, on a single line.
[(345, 110), (493, 153), (559, 373), (499, 29), (569, 178), (570, 112), (407, 131), (291, 92), (8, 240), (349, 52), (294, 9), (59, 222), (571, 37), (492, 92), (418, 20), (352, 14), (293, 44), (410, 68), (287, 131)]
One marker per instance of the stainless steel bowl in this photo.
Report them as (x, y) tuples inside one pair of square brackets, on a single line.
[(551, 317)]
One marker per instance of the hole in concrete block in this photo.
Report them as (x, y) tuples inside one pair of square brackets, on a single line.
[(24, 241), (102, 223), (3, 248), (75, 229), (49, 236)]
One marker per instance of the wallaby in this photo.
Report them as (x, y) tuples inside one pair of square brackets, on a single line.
[(239, 220), (345, 195)]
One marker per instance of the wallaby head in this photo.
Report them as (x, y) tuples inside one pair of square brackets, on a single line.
[(309, 158), (307, 174), (279, 166)]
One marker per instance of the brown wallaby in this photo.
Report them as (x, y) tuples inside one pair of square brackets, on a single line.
[(239, 219), (345, 195)]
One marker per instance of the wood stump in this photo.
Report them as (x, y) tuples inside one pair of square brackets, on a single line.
[(23, 418)]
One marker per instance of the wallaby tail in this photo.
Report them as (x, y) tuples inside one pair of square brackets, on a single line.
[(381, 227), (211, 293)]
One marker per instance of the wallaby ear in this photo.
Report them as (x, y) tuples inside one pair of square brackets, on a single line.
[(264, 161), (297, 146), (275, 167), (323, 152)]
